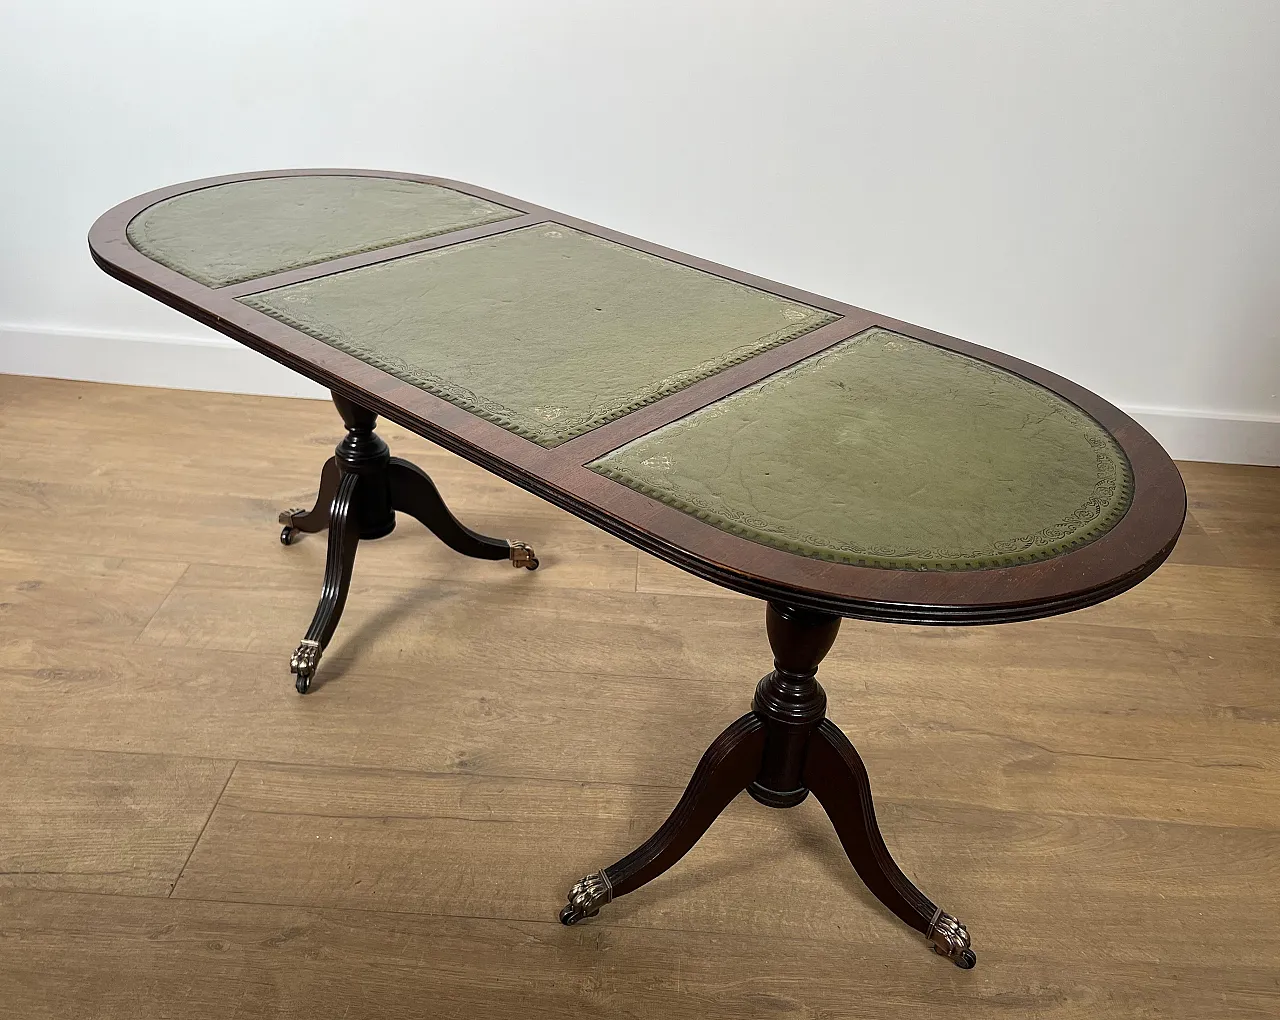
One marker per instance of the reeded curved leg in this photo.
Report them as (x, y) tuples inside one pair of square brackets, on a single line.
[(834, 773), (730, 763), (344, 536), (317, 518), (414, 493)]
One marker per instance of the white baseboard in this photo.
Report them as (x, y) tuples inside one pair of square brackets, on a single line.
[(180, 363), (1204, 435), (225, 366)]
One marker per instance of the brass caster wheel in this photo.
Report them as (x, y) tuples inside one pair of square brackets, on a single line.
[(568, 915), (967, 960), (522, 555), (303, 663), (288, 533)]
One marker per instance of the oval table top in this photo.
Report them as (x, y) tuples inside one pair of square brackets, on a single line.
[(770, 440)]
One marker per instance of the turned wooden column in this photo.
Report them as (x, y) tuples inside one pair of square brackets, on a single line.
[(790, 700), (363, 452)]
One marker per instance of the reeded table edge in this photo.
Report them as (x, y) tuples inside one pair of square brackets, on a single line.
[(1127, 554)]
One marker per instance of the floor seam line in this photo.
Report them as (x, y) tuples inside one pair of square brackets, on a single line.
[(186, 568), (200, 835)]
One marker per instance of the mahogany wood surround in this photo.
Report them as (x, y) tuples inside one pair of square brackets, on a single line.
[(1097, 571)]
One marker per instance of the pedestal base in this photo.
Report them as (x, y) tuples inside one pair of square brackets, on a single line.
[(781, 751), (361, 488)]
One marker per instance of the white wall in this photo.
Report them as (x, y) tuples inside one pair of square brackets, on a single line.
[(1093, 186)]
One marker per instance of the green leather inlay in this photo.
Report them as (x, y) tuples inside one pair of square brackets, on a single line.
[(544, 330), (234, 232), (884, 451)]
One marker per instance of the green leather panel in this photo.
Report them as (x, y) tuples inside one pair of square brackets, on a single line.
[(884, 451), (544, 330), (234, 232)]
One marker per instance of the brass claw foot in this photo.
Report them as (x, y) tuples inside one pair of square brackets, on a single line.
[(303, 664), (950, 938), (522, 556), (586, 898)]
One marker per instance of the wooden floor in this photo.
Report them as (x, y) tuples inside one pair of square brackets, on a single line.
[(181, 835)]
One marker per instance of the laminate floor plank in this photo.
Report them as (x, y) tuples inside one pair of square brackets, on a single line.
[(100, 822), (503, 849), (243, 533), (216, 444), (1231, 676), (55, 595), (517, 723), (82, 957), (1192, 598)]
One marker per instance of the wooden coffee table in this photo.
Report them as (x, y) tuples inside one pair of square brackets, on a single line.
[(825, 459)]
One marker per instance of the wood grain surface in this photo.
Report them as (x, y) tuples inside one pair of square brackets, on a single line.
[(183, 835)]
